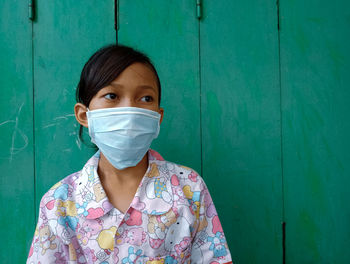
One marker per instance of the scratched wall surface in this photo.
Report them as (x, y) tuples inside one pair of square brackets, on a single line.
[(16, 133), (65, 36), (315, 79), (41, 59)]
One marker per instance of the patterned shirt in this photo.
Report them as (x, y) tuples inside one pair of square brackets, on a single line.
[(171, 219)]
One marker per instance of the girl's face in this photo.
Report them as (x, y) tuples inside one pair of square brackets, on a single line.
[(136, 86)]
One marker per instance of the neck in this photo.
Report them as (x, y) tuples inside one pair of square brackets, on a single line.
[(128, 176)]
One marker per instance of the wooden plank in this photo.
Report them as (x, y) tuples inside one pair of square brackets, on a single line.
[(315, 60), (66, 34), (241, 125), (16, 132), (167, 31)]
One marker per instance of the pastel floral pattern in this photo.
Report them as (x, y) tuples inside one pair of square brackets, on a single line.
[(172, 219)]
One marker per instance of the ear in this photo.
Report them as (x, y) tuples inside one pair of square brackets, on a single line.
[(80, 114), (161, 112)]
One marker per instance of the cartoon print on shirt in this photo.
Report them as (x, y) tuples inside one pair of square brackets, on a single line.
[(154, 155), (66, 208), (76, 252), (133, 218), (157, 229), (103, 255), (50, 204), (156, 260), (66, 235), (60, 257), (46, 238), (90, 228), (68, 221), (193, 176), (61, 192), (166, 168), (157, 225), (201, 222), (183, 172), (99, 192), (81, 209), (216, 225), (170, 260), (90, 253), (83, 186), (193, 200), (178, 194), (138, 204), (201, 239), (95, 213), (153, 172), (133, 257), (159, 188), (209, 205), (115, 255), (134, 236), (106, 238), (217, 245), (66, 212), (177, 239)]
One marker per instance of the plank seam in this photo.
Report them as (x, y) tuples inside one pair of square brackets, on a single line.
[(33, 117), (281, 135), (200, 95)]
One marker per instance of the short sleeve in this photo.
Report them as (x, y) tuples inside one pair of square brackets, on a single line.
[(209, 243), (46, 246)]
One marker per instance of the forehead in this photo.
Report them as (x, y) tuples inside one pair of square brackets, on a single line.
[(137, 74)]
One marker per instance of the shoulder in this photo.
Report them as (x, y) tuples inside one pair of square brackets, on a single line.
[(178, 174), (62, 190), (58, 205), (66, 189)]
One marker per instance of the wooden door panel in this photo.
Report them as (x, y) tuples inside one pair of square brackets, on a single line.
[(16, 132), (315, 65), (241, 124), (66, 34)]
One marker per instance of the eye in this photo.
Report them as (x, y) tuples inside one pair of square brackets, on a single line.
[(110, 96), (147, 99)]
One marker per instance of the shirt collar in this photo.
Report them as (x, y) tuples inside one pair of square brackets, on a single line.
[(154, 194)]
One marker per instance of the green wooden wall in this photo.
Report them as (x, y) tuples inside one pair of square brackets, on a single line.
[(256, 98), (315, 81)]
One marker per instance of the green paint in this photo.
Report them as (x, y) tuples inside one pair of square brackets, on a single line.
[(240, 125), (306, 224), (315, 59), (215, 122), (301, 39), (16, 132)]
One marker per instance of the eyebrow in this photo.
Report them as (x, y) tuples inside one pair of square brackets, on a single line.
[(117, 85)]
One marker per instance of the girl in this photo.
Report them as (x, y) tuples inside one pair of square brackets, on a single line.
[(127, 204)]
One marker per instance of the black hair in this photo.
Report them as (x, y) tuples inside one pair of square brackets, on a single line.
[(104, 66)]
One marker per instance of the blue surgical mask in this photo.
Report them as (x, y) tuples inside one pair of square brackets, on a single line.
[(123, 134)]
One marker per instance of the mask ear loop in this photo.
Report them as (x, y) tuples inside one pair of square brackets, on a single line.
[(89, 127)]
